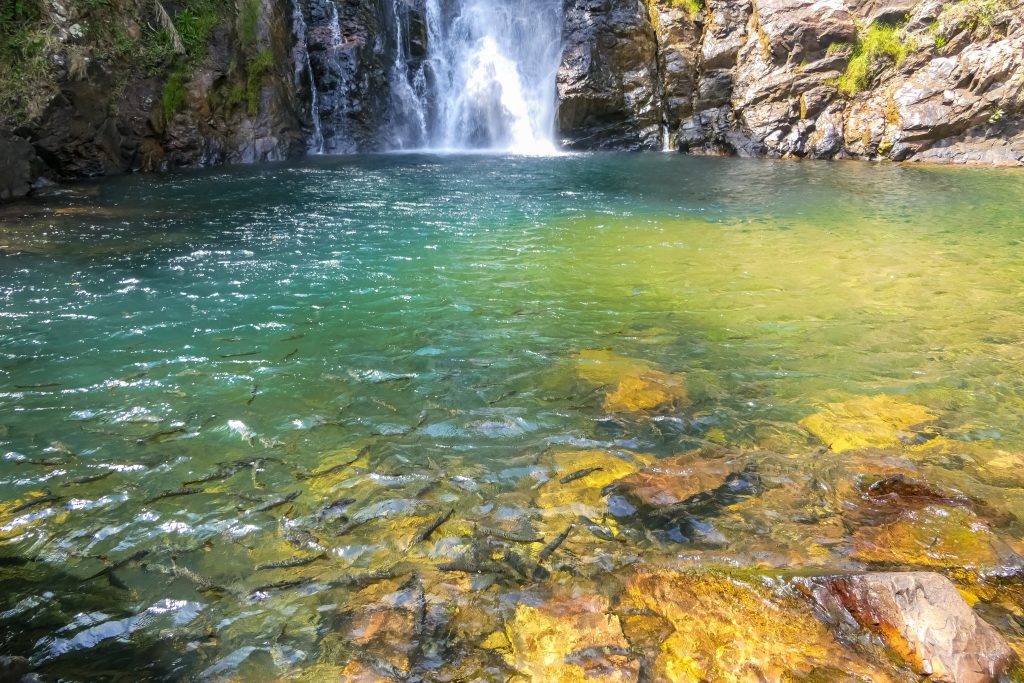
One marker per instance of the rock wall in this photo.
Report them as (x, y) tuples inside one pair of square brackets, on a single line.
[(763, 78), (274, 79), (267, 79)]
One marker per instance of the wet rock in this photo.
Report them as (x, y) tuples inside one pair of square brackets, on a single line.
[(923, 617), (578, 480), (568, 640), (20, 167), (12, 669), (608, 82), (723, 628), (933, 536), (867, 422), (675, 480), (604, 367), (647, 391)]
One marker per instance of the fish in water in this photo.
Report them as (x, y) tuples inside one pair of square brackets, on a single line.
[(220, 474), (358, 521), (173, 494), (36, 502), (336, 468), (279, 585), (579, 474), (59, 447), (301, 538), (335, 509), (202, 584), (429, 529), (522, 567), (123, 562), (162, 435), (367, 578), (600, 531), (510, 536), (240, 355), (549, 550), (277, 502), (242, 430), (292, 563), (87, 479)]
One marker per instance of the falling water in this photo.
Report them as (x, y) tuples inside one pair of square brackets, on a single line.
[(486, 80), (304, 69)]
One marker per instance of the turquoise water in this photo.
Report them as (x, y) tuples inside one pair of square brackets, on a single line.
[(422, 318)]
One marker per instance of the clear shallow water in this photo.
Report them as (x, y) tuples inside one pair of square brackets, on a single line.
[(419, 319)]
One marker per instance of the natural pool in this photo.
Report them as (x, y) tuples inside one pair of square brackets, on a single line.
[(398, 417)]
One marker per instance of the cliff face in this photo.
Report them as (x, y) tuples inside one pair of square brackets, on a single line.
[(93, 87), (898, 79)]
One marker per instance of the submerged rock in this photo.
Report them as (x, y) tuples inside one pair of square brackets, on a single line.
[(675, 480), (867, 422), (923, 617), (570, 640), (578, 480), (722, 628), (648, 391)]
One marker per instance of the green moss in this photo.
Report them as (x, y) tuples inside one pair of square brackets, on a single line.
[(256, 70), (692, 6), (175, 97), (879, 45), (249, 21)]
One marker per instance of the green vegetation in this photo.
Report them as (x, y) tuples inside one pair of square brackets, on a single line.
[(194, 24), (256, 70), (24, 67), (692, 6), (879, 45), (975, 16), (249, 21), (175, 96)]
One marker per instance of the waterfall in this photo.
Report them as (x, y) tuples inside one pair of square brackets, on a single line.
[(429, 74), (304, 69), (485, 78)]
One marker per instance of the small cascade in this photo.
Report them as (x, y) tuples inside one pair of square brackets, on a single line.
[(304, 69)]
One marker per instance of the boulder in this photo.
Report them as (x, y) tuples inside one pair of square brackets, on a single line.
[(922, 616), (20, 166)]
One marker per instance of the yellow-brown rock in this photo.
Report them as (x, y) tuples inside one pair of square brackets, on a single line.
[(570, 640), (602, 367), (867, 422), (674, 480), (585, 474), (933, 536), (647, 391), (729, 630)]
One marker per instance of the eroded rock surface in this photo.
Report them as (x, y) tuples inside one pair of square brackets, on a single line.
[(761, 78), (922, 616)]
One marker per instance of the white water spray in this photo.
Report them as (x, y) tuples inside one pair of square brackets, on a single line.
[(487, 80)]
